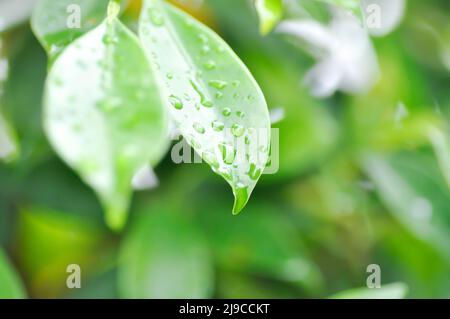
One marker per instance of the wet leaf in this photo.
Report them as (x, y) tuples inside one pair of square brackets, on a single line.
[(11, 286), (270, 13), (216, 104), (103, 122)]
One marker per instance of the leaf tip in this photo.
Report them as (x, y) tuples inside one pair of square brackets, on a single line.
[(241, 198), (116, 217)]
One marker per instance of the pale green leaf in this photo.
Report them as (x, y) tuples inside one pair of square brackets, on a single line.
[(216, 104), (55, 22), (11, 286), (164, 256), (104, 114), (390, 291), (270, 13)]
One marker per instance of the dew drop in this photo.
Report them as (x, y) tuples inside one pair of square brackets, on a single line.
[(176, 102), (240, 114), (199, 128), (228, 153), (226, 111), (210, 65), (218, 84), (217, 126), (237, 130), (156, 17), (254, 172), (109, 39)]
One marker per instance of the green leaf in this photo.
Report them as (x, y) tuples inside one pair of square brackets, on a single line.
[(164, 256), (390, 291), (48, 241), (22, 100), (413, 189), (270, 13), (216, 104), (53, 21), (104, 114), (11, 286)]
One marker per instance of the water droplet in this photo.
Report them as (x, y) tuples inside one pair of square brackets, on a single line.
[(226, 111), (262, 149), (109, 39), (205, 49), (203, 100), (109, 104), (199, 128), (228, 153), (207, 103), (254, 172), (219, 95), (176, 102), (203, 38), (236, 83), (210, 65), (58, 81), (237, 130), (240, 114), (169, 75), (218, 84), (217, 126), (156, 17)]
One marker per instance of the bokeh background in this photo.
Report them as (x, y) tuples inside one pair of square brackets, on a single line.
[(360, 182)]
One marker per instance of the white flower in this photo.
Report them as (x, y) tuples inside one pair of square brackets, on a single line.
[(346, 58)]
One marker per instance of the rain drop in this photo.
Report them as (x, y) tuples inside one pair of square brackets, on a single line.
[(199, 128), (237, 130), (217, 126), (176, 102)]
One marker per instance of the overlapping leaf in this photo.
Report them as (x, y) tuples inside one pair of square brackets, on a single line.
[(10, 283), (104, 114)]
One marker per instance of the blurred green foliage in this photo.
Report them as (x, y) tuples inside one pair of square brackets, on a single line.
[(355, 186)]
